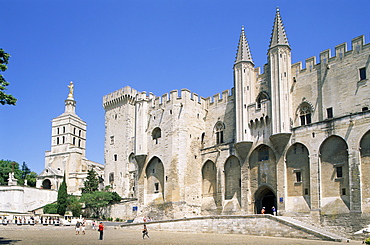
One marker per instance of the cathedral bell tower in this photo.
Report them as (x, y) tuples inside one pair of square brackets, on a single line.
[(67, 154), (244, 77), (279, 64)]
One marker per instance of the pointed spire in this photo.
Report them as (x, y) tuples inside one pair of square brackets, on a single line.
[(243, 53), (278, 36)]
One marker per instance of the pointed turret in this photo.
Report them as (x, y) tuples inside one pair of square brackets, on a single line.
[(278, 36), (244, 82), (279, 62), (243, 53)]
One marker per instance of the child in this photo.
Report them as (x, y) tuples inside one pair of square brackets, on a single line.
[(145, 232)]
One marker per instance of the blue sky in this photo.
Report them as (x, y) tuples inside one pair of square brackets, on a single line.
[(154, 46)]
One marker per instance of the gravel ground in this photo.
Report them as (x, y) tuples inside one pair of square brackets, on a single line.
[(55, 235)]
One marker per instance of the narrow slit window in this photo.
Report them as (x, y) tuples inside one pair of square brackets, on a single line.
[(339, 172), (362, 74)]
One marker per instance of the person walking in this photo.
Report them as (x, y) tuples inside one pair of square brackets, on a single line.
[(273, 209), (101, 229), (83, 226), (78, 224), (145, 232)]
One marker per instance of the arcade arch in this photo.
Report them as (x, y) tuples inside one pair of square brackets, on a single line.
[(365, 168), (298, 177), (232, 178), (155, 178), (334, 170), (209, 179)]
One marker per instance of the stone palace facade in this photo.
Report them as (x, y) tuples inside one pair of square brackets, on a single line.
[(294, 137)]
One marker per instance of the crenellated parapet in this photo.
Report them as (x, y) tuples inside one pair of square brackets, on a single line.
[(326, 59), (128, 95)]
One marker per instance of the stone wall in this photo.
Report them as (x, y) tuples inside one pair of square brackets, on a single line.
[(22, 199)]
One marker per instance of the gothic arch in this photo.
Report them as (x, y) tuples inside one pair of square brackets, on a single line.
[(305, 111), (133, 172), (155, 178), (262, 167), (298, 177), (266, 198), (156, 134), (209, 179), (334, 174), (232, 172), (262, 97), (218, 130), (365, 168)]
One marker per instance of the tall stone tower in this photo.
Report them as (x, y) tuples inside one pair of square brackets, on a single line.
[(67, 154), (244, 83), (279, 65)]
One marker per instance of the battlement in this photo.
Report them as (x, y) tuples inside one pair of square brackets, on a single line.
[(188, 97), (130, 95), (358, 45)]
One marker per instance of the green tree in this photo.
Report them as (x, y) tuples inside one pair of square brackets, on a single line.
[(31, 179), (51, 208), (91, 183), (6, 167), (95, 202), (74, 205), (25, 170), (62, 197), (5, 98)]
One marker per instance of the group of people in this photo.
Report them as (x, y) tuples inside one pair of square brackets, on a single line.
[(273, 210), (81, 226)]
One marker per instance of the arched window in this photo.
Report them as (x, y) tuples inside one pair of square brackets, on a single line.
[(305, 111), (263, 153), (219, 132), (262, 97), (156, 134)]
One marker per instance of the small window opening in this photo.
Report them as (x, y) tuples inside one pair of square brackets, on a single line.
[(263, 153), (344, 192), (298, 176), (365, 108), (306, 191), (329, 112), (156, 187), (115, 157), (339, 172), (362, 74)]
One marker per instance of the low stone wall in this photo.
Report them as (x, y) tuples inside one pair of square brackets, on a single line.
[(23, 199), (259, 225)]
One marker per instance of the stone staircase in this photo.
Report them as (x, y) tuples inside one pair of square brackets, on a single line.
[(310, 229), (257, 224)]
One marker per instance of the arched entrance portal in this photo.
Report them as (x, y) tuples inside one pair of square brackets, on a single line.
[(264, 197), (46, 184)]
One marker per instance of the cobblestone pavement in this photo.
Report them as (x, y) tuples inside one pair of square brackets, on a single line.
[(54, 235)]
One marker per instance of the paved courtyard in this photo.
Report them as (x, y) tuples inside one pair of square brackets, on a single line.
[(55, 235)]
